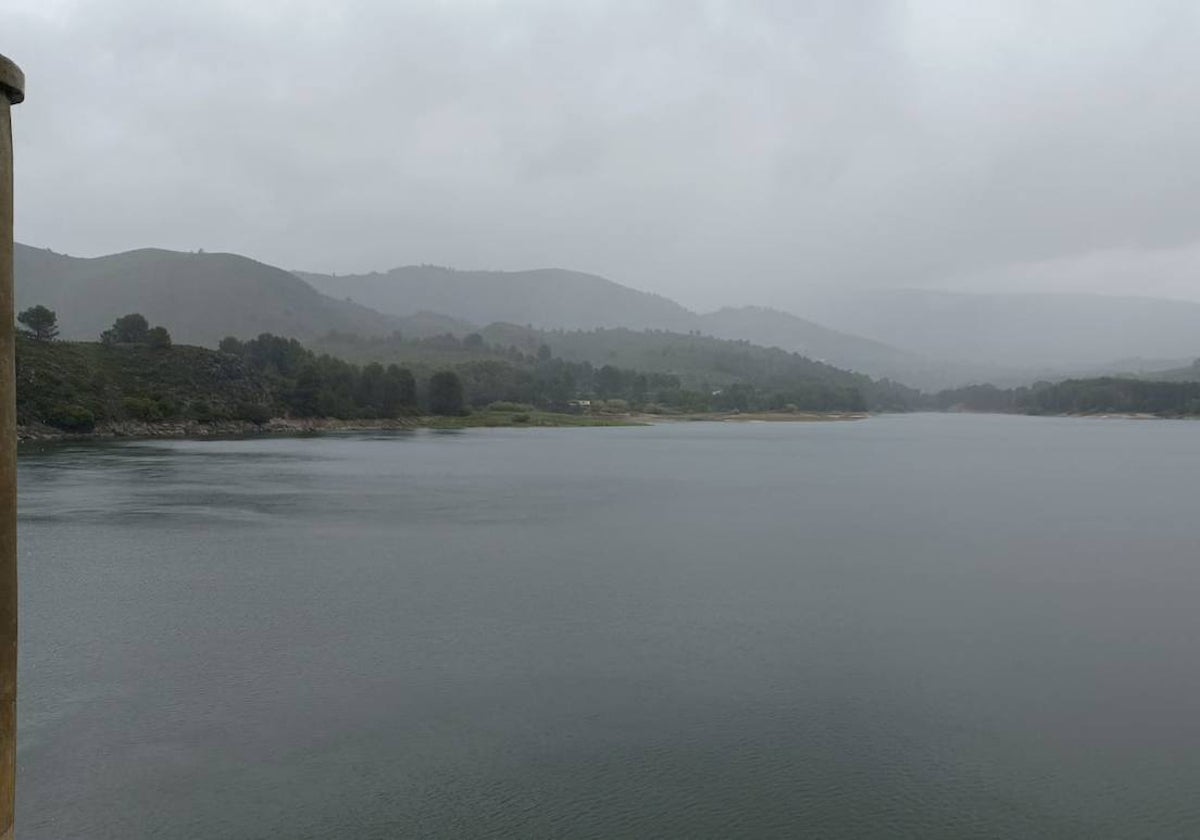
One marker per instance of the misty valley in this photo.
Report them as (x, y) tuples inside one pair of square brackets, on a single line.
[(603, 353)]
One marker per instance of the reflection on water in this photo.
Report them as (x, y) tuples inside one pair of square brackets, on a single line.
[(923, 626)]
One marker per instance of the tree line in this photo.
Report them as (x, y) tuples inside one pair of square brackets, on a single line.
[(130, 374), (1100, 395), (311, 385), (41, 324), (492, 372), (134, 373)]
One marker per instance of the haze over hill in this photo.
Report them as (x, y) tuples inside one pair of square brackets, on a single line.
[(545, 298), (717, 153), (947, 339), (775, 328), (203, 297), (561, 299), (927, 339), (1021, 331)]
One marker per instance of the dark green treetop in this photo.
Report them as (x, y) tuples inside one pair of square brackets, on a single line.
[(41, 323), (128, 329), (158, 338), (446, 394)]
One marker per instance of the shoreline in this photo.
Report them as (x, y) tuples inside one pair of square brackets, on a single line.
[(1081, 415), (756, 417), (195, 430)]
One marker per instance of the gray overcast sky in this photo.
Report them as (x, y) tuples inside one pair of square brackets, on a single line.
[(716, 152)]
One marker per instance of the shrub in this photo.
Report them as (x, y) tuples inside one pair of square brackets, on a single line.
[(201, 411), (167, 407), (446, 394), (509, 407), (158, 338), (71, 418), (128, 329), (256, 413), (142, 408)]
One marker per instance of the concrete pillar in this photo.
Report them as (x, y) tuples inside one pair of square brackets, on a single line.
[(12, 91)]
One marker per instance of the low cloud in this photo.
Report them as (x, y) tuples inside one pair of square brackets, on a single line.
[(717, 152)]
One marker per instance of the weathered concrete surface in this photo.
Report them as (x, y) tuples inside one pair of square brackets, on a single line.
[(12, 91)]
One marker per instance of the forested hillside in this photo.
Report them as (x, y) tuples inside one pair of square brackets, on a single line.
[(75, 386), (706, 372)]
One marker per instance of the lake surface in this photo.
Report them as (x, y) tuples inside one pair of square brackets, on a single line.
[(926, 626)]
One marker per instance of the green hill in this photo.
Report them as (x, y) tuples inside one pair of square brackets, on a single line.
[(701, 365), (74, 385)]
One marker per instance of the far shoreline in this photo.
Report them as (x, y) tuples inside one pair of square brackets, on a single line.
[(283, 426)]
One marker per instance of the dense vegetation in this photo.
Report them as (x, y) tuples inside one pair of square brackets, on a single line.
[(735, 380), (652, 369), (136, 373), (308, 385), (1104, 395), (74, 386)]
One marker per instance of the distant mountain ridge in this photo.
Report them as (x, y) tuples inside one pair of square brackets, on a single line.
[(547, 298), (947, 339), (776, 328), (552, 298), (203, 297)]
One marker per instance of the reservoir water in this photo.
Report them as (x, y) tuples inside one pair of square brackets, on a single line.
[(925, 626)]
